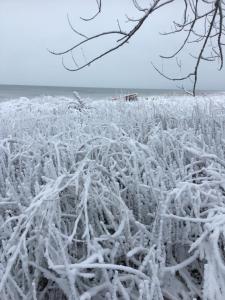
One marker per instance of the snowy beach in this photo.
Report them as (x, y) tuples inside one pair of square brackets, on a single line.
[(112, 199)]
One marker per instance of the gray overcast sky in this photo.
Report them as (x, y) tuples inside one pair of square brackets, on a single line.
[(29, 27)]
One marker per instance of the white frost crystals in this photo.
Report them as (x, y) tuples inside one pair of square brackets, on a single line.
[(117, 201)]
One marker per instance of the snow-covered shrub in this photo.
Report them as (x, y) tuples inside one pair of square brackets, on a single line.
[(120, 201)]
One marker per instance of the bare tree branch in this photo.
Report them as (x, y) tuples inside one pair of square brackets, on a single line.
[(99, 4), (202, 22)]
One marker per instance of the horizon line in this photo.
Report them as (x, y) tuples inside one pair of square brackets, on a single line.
[(98, 87)]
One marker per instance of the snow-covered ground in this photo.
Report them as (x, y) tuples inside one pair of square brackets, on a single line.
[(112, 200)]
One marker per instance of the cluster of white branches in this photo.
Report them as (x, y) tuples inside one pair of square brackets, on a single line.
[(112, 201)]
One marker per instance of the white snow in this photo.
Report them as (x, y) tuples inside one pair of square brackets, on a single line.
[(112, 200)]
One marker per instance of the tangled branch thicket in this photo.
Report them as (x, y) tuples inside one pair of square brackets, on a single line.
[(112, 201)]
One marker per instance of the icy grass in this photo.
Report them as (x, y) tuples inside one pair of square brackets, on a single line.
[(112, 201)]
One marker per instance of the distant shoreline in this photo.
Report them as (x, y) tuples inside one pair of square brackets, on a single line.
[(98, 87), (9, 91)]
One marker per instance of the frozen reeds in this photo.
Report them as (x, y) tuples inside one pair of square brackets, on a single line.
[(118, 201)]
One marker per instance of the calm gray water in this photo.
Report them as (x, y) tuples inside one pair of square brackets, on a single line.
[(8, 92)]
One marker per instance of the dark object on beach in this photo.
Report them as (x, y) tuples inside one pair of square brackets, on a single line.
[(131, 97), (128, 97)]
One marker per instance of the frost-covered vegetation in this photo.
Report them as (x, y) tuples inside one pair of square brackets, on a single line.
[(112, 200)]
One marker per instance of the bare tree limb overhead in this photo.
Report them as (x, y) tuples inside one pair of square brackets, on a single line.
[(202, 24)]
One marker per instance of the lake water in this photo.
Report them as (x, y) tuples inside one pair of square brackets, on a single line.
[(8, 92), (14, 91)]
